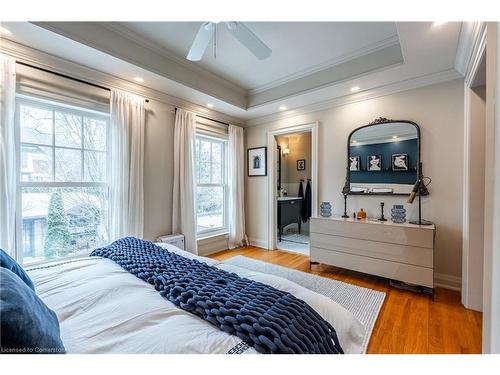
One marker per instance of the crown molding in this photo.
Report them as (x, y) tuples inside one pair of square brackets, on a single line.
[(375, 61), (133, 36), (384, 90), (471, 45), (103, 39), (383, 44), (47, 61), (128, 34)]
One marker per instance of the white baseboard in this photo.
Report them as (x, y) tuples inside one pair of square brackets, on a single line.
[(212, 245), (448, 281), (257, 242)]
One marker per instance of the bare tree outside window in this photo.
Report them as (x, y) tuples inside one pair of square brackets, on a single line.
[(63, 166)]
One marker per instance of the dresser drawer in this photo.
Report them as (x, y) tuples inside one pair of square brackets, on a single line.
[(392, 270), (388, 233), (418, 256)]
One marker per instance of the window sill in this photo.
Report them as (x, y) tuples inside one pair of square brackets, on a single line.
[(209, 236), (81, 254)]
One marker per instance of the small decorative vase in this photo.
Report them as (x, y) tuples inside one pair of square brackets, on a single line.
[(398, 214), (325, 209)]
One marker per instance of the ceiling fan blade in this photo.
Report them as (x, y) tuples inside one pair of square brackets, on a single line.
[(249, 39), (201, 41)]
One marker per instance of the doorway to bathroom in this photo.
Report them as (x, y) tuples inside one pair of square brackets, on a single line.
[(293, 195)]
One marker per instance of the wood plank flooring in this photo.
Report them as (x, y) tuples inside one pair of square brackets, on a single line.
[(408, 323)]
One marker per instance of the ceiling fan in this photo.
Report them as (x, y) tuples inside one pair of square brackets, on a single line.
[(243, 34)]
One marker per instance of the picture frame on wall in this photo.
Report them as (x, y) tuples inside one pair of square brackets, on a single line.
[(354, 163), (400, 162), (301, 165), (374, 163), (257, 161)]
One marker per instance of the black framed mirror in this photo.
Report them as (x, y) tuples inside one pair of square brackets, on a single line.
[(383, 158)]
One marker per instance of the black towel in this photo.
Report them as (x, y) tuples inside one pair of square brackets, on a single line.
[(301, 195), (306, 203), (301, 190)]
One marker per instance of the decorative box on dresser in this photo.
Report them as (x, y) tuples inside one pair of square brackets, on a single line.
[(402, 252)]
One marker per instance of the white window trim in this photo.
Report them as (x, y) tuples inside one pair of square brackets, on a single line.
[(45, 104), (210, 233)]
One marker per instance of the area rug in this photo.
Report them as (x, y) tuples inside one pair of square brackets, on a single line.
[(363, 303)]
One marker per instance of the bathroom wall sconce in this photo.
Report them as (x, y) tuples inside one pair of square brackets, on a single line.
[(286, 151)]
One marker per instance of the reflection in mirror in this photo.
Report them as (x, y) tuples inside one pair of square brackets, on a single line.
[(383, 158)]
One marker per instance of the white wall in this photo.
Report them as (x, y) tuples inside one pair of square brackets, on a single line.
[(473, 230), (158, 169), (491, 280), (438, 109)]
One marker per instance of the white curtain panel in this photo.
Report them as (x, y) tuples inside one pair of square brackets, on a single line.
[(183, 198), (126, 165), (237, 236), (8, 155)]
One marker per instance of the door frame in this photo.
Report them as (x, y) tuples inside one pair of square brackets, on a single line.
[(470, 291), (271, 194)]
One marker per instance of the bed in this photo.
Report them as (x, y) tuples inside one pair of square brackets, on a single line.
[(104, 309)]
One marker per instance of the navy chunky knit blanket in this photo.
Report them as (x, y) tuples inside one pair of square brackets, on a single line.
[(266, 318)]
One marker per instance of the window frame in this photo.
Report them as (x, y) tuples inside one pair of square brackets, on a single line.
[(207, 233), (54, 106)]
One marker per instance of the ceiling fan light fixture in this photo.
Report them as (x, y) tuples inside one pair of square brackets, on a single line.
[(238, 30)]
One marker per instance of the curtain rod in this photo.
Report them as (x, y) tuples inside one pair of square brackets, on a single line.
[(67, 77), (208, 118)]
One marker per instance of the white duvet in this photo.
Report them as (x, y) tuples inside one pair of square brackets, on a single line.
[(104, 309)]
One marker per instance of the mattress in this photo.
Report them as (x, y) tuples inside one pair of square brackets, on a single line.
[(104, 309)]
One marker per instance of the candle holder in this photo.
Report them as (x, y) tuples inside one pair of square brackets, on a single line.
[(382, 218), (345, 216)]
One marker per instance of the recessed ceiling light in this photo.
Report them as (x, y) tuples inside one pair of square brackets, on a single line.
[(210, 105), (283, 108), (354, 88), (139, 79), (5, 31), (437, 24)]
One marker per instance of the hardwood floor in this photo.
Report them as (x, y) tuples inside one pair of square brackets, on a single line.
[(408, 322)]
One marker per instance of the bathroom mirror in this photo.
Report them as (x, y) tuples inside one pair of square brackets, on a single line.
[(383, 158)]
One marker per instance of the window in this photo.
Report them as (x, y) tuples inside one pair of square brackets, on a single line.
[(63, 193), (211, 186)]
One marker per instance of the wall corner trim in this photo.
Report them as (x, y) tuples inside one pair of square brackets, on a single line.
[(471, 44)]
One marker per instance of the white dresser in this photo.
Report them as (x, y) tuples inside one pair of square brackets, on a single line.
[(403, 252)]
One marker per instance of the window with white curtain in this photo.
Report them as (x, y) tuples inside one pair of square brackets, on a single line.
[(211, 186), (63, 195)]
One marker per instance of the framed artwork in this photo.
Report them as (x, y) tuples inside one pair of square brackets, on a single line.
[(354, 163), (374, 163), (301, 165), (257, 161), (400, 162)]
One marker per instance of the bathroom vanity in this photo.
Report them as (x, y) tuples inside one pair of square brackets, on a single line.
[(289, 212)]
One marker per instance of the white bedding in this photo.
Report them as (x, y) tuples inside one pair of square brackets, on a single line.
[(104, 309)]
